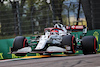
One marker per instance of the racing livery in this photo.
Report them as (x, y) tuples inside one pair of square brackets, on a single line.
[(56, 39)]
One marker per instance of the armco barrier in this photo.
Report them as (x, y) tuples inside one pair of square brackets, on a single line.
[(5, 45), (4, 48)]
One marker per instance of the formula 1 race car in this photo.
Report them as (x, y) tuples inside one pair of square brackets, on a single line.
[(56, 39)]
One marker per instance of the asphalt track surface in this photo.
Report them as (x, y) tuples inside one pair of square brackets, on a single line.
[(69, 61)]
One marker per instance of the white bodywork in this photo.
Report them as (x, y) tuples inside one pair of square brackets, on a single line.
[(42, 42), (25, 49), (52, 37), (55, 49), (58, 49), (49, 37)]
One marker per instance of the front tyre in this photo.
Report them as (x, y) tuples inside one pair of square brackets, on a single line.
[(19, 42), (70, 41), (89, 45)]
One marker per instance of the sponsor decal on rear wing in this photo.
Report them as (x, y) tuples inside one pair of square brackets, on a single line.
[(75, 27)]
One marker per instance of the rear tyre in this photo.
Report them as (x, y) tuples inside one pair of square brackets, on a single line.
[(19, 42), (70, 41), (89, 45)]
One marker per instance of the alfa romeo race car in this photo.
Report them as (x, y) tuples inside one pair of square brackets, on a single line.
[(56, 39)]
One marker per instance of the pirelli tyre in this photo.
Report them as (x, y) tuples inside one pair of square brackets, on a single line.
[(70, 41), (19, 42), (89, 45)]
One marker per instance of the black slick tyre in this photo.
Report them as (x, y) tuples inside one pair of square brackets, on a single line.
[(70, 41), (89, 45), (19, 42)]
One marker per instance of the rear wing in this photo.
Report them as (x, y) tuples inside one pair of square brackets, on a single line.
[(76, 28)]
